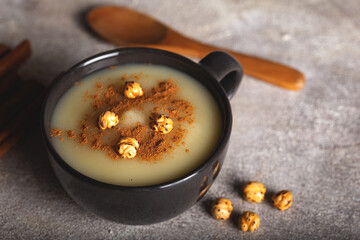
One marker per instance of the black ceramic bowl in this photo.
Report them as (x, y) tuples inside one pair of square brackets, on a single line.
[(218, 72)]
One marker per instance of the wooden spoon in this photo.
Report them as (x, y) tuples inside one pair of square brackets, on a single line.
[(126, 27)]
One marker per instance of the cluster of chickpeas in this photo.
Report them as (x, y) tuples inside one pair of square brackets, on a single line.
[(254, 192), (127, 147)]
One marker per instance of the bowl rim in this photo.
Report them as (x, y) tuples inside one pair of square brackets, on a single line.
[(222, 143)]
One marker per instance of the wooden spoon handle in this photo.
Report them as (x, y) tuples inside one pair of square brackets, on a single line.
[(272, 72)]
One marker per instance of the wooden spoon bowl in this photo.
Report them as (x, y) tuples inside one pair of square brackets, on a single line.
[(127, 27)]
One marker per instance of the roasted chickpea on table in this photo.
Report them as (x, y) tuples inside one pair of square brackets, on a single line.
[(249, 221), (282, 200), (254, 192), (221, 209)]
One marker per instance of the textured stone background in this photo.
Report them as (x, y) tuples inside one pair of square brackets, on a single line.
[(306, 141)]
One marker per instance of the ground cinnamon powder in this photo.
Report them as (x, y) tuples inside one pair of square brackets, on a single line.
[(152, 144), (55, 132), (70, 134)]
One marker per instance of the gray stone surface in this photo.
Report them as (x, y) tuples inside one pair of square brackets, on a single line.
[(306, 141)]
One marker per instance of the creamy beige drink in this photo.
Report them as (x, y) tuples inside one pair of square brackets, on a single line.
[(160, 157)]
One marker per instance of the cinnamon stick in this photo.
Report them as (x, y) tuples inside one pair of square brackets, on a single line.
[(9, 142), (3, 50), (30, 111), (8, 83), (26, 93), (16, 115), (15, 58)]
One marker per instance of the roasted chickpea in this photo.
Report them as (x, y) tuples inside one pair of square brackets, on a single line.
[(108, 119), (133, 90), (162, 124), (127, 147), (254, 192), (282, 200), (249, 221), (221, 209)]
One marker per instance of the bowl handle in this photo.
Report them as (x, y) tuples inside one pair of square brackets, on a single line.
[(226, 69)]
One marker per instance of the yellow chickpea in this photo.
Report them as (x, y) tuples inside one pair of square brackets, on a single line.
[(133, 90), (162, 124), (254, 192), (249, 221), (221, 209), (282, 200), (127, 147), (108, 119)]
